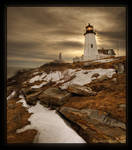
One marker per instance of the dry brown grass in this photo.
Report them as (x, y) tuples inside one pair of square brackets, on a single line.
[(17, 117), (107, 99), (52, 66), (100, 65)]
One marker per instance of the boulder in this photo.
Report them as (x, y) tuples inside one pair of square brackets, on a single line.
[(31, 99), (95, 75), (97, 125), (54, 97), (102, 78), (31, 95), (29, 90), (87, 64), (103, 118), (81, 90)]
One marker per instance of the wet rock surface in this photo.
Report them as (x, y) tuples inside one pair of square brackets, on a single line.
[(101, 118), (31, 95), (97, 124), (29, 90), (54, 96), (31, 99), (81, 90)]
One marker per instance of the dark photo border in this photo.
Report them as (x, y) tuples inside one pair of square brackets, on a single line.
[(3, 63)]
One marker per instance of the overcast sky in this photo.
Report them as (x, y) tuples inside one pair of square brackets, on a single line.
[(36, 35)]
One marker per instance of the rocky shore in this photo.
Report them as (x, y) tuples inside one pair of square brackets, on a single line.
[(91, 96)]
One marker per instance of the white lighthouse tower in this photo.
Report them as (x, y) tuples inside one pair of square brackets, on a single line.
[(90, 47)]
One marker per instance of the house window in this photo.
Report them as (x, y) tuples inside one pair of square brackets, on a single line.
[(91, 45)]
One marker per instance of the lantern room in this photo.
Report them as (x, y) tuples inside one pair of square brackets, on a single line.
[(89, 29)]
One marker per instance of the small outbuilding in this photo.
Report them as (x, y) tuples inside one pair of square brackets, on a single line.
[(106, 51)]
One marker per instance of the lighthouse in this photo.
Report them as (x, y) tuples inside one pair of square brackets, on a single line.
[(90, 47)]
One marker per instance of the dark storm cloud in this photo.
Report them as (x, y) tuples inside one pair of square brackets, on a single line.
[(23, 44), (36, 35), (112, 35), (65, 32), (24, 54)]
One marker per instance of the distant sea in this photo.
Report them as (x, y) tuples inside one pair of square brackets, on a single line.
[(12, 70)]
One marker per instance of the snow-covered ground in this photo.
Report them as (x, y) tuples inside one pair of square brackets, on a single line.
[(38, 78), (81, 77), (11, 95), (35, 73), (39, 86), (50, 126), (52, 76)]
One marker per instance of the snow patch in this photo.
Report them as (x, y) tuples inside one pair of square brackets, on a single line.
[(70, 71), (37, 78), (35, 73), (39, 86), (82, 78), (50, 126), (11, 95), (22, 100), (54, 76)]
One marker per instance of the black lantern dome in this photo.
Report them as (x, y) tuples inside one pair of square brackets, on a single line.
[(89, 29)]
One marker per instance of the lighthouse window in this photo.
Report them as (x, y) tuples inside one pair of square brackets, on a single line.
[(91, 45)]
